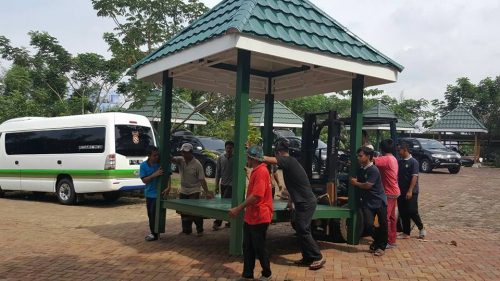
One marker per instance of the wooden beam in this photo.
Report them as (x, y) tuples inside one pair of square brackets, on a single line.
[(356, 126), (268, 119), (240, 138)]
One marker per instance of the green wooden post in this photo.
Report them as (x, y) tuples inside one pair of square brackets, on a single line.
[(164, 145), (377, 140), (356, 127), (240, 138), (268, 120)]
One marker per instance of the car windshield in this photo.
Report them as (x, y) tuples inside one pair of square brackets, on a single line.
[(431, 144), (212, 143)]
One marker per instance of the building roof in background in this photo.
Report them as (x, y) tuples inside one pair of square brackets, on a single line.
[(380, 110), (459, 120), (180, 110), (283, 116)]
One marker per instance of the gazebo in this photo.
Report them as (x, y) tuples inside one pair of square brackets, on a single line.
[(380, 110), (182, 111), (460, 120), (269, 50), (283, 117)]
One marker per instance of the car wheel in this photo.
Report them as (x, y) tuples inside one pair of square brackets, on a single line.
[(454, 170), (111, 196), (65, 191), (210, 170), (315, 165), (425, 166), (174, 168)]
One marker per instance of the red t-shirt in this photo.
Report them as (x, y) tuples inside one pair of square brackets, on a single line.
[(388, 167), (260, 186)]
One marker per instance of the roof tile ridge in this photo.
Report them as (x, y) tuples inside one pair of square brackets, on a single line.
[(245, 11)]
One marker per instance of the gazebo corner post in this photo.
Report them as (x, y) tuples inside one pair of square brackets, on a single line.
[(240, 139), (267, 135), (355, 143), (164, 147)]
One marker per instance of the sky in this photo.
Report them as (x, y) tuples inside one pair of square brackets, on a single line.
[(436, 41)]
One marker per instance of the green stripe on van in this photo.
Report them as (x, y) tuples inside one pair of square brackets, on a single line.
[(42, 173)]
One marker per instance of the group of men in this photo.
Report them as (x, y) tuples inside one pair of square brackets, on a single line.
[(384, 183)]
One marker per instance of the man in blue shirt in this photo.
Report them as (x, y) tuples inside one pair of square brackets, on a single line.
[(374, 200), (150, 172)]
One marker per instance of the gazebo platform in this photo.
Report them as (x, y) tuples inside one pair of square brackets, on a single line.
[(218, 209)]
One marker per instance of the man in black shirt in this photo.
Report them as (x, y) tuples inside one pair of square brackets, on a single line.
[(304, 202), (408, 184), (373, 199)]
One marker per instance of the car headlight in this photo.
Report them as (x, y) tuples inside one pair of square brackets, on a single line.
[(437, 155)]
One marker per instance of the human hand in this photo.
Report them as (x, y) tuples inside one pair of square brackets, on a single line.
[(409, 195), (166, 191), (209, 195), (158, 172), (353, 181), (289, 206), (280, 186), (233, 212)]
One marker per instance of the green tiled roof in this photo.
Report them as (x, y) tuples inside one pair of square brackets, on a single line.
[(180, 110), (380, 110), (282, 115), (294, 22), (458, 120)]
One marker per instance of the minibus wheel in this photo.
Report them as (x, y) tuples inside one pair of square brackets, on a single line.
[(65, 191)]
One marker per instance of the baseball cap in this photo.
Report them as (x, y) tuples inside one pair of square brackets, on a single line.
[(255, 152), (187, 147)]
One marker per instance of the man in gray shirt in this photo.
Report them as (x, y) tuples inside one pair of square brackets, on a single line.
[(192, 182), (224, 177)]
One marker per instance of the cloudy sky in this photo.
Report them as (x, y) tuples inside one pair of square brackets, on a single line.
[(436, 41)]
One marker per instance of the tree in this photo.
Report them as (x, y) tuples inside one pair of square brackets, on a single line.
[(140, 27)]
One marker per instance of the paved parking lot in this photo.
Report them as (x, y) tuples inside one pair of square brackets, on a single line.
[(42, 240)]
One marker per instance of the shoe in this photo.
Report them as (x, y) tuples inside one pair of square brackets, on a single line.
[(315, 265), (379, 253), (302, 262), (264, 278), (390, 246), (216, 227), (199, 234), (422, 233), (151, 237), (403, 236), (227, 225), (184, 233), (372, 248)]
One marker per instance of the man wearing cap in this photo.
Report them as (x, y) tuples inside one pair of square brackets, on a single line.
[(304, 202), (192, 182), (258, 207)]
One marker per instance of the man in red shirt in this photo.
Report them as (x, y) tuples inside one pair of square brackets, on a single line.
[(388, 167), (258, 207)]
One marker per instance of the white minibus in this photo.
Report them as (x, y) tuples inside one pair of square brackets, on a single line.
[(70, 155)]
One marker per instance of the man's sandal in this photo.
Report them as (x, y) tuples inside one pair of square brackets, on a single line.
[(315, 265)]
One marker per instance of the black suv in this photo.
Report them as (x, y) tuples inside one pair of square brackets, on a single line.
[(205, 149), (431, 154)]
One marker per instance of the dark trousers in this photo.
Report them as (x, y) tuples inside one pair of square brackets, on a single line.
[(380, 233), (408, 210), (151, 208), (226, 192), (187, 220), (254, 246), (303, 217)]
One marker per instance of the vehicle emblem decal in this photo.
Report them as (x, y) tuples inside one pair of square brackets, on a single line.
[(135, 137)]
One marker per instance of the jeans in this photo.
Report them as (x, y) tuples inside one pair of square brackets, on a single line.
[(391, 220), (379, 233), (254, 246), (151, 208), (303, 216), (408, 210), (226, 192), (187, 220)]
